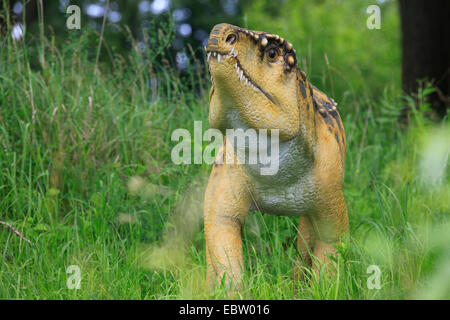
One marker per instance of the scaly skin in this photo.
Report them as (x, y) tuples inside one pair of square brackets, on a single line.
[(257, 84)]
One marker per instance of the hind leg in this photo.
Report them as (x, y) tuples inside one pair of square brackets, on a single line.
[(330, 225), (305, 242)]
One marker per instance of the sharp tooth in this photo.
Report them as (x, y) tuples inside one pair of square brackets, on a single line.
[(246, 81), (215, 54), (232, 50), (219, 57), (237, 70), (209, 56), (241, 75)]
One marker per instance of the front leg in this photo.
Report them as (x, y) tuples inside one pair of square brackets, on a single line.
[(227, 202)]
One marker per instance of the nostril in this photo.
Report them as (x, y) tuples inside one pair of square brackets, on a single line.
[(231, 38)]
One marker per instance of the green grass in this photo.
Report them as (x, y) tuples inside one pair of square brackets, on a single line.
[(86, 176)]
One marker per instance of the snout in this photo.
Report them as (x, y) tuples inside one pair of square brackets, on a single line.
[(222, 38)]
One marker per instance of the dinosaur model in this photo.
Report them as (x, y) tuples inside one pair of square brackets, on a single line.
[(257, 84)]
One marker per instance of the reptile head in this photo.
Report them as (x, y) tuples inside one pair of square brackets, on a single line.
[(250, 68)]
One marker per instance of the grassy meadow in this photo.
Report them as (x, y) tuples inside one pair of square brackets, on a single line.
[(86, 173)]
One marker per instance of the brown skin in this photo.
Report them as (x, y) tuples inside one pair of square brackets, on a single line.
[(308, 184)]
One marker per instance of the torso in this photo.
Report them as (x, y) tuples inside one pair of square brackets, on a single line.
[(293, 189)]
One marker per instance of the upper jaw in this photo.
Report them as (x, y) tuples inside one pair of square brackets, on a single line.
[(219, 56), (241, 74)]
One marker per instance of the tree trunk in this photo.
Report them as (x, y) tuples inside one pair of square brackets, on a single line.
[(425, 43)]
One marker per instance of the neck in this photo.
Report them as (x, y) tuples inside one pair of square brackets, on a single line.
[(307, 113)]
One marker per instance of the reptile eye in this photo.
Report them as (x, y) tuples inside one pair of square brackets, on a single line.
[(272, 53), (231, 38)]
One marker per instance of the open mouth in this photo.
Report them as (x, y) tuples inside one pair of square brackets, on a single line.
[(241, 74)]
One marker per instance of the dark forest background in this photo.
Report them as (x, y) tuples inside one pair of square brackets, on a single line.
[(415, 32)]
